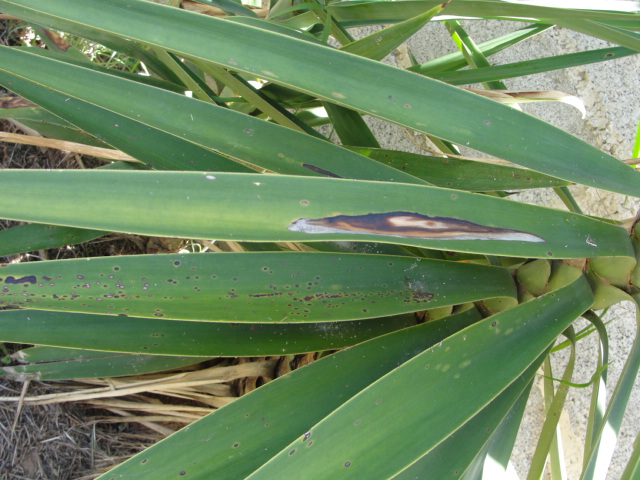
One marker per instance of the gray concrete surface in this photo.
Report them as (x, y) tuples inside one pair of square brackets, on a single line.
[(610, 92)]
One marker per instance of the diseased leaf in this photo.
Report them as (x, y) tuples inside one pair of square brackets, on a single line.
[(269, 287)]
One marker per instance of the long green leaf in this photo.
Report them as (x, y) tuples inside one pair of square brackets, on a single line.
[(96, 365), (145, 143), (161, 337), (554, 407), (632, 471), (530, 67), (414, 101), (43, 122), (601, 29), (494, 459), (475, 363), (458, 454), (598, 459), (267, 208), (27, 238), (181, 137), (462, 174), (269, 287), (374, 12), (240, 437)]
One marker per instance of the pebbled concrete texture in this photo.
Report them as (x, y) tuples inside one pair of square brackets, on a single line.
[(610, 92)]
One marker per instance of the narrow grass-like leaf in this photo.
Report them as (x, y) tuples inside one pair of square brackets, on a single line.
[(380, 44), (240, 437), (598, 459), (473, 55), (636, 145), (529, 67), (553, 411), (95, 365), (275, 208), (477, 362), (455, 61), (244, 89), (269, 287), (162, 337), (27, 238), (462, 174), (198, 87), (414, 101), (632, 471)]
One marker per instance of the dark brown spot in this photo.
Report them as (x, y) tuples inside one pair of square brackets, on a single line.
[(17, 281), (322, 171)]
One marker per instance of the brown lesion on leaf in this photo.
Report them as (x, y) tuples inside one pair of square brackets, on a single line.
[(30, 279), (409, 225), (15, 102)]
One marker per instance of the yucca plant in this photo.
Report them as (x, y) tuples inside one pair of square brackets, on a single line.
[(342, 241)]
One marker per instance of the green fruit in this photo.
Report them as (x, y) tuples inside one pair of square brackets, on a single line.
[(534, 276), (607, 295), (438, 313), (497, 305), (614, 270), (525, 296), (562, 275)]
